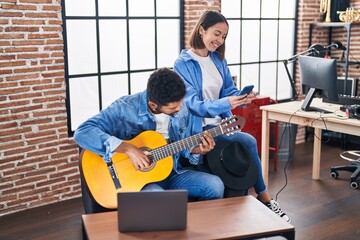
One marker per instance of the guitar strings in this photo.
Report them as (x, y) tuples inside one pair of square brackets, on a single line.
[(167, 150)]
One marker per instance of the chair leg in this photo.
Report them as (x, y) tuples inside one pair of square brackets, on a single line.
[(356, 173), (354, 169), (348, 168)]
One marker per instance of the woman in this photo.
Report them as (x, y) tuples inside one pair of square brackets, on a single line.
[(211, 93)]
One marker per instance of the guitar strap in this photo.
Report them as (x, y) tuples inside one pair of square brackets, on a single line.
[(113, 174)]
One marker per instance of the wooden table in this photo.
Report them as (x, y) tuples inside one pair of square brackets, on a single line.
[(231, 218), (291, 112)]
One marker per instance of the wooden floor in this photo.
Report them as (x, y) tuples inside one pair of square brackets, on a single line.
[(326, 209)]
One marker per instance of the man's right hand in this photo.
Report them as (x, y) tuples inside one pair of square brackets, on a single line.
[(137, 156)]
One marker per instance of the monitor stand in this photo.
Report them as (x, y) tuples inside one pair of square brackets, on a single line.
[(315, 109), (307, 102)]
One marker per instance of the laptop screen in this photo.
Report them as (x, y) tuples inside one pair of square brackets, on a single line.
[(152, 210)]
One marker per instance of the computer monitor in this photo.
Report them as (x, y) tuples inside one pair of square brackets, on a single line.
[(319, 79), (351, 86)]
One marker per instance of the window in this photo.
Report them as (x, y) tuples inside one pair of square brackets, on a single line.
[(111, 48), (262, 33)]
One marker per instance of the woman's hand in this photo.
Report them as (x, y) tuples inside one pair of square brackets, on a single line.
[(207, 144), (236, 101)]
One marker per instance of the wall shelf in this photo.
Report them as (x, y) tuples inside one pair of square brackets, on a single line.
[(347, 27)]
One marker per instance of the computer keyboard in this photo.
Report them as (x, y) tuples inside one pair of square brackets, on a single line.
[(345, 100)]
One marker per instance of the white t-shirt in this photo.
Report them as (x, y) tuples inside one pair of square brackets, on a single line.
[(162, 124), (211, 82)]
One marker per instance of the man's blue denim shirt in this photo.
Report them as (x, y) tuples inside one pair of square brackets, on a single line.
[(126, 118)]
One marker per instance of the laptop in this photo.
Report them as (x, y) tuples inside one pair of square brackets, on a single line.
[(152, 210)]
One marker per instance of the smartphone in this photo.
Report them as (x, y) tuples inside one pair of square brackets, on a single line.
[(246, 90)]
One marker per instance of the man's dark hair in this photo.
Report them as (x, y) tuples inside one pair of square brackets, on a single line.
[(165, 86)]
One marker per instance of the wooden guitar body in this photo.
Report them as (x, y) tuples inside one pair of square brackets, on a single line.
[(100, 183)]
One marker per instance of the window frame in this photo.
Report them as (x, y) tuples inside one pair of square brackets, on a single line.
[(98, 74), (280, 63)]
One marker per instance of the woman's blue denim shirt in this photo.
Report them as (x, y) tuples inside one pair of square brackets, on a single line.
[(189, 69), (126, 118)]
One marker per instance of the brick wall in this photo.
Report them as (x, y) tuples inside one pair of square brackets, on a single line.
[(38, 162)]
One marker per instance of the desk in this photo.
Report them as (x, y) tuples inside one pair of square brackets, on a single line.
[(230, 218), (291, 112)]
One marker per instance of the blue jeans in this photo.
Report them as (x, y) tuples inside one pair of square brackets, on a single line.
[(200, 185), (250, 143)]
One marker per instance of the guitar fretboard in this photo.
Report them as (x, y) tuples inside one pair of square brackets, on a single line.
[(172, 148)]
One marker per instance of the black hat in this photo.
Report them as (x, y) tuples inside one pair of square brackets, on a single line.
[(233, 163)]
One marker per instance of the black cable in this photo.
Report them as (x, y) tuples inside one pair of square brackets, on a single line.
[(288, 160), (323, 120), (281, 138)]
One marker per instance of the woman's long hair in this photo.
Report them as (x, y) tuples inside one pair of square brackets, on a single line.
[(208, 19)]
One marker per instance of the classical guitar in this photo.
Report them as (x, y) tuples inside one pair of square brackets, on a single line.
[(123, 176)]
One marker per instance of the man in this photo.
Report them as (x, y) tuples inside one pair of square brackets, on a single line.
[(159, 108)]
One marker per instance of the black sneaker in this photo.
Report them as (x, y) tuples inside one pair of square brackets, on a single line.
[(274, 206)]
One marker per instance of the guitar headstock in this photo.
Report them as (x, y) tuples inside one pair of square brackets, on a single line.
[(232, 124)]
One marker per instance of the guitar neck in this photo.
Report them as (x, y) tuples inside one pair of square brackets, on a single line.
[(186, 143)]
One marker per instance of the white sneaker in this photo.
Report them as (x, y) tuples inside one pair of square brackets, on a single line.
[(274, 206)]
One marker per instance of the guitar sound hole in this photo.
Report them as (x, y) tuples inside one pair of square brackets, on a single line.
[(152, 163)]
